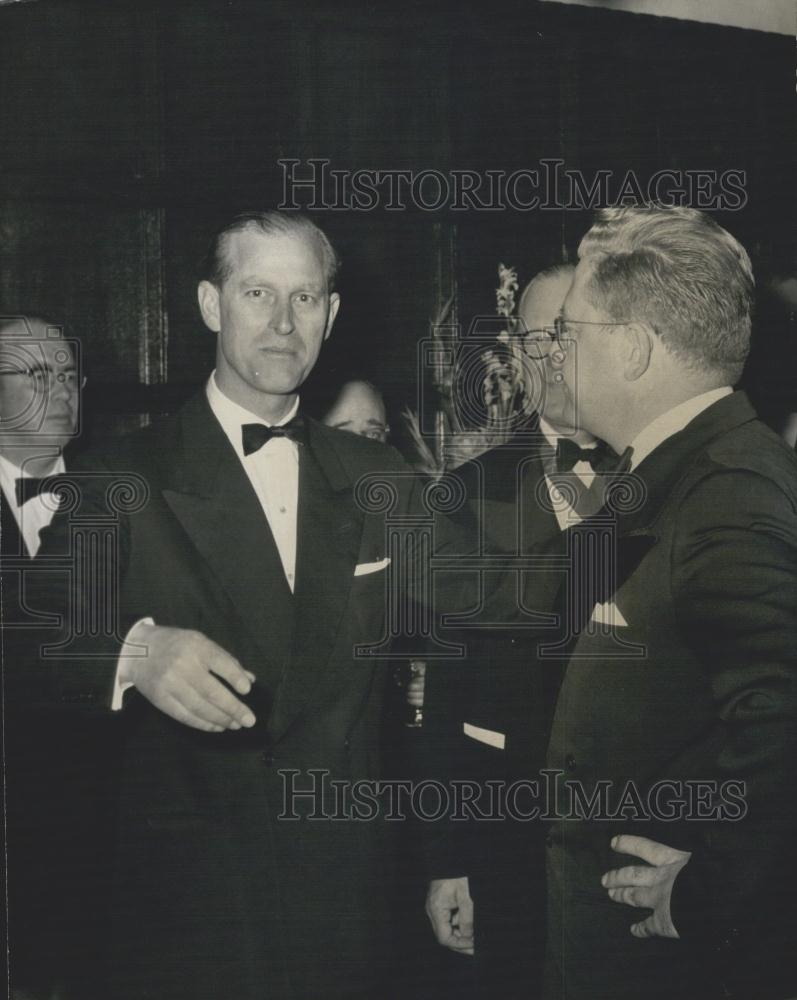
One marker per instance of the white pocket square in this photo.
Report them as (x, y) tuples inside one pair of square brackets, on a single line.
[(607, 614), (373, 567), (488, 736)]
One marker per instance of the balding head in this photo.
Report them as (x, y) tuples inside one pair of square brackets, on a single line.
[(543, 296), (359, 409)]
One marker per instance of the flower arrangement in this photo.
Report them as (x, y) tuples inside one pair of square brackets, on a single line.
[(504, 384), (504, 388)]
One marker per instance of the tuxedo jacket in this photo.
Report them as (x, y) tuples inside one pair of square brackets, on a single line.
[(695, 682), (487, 719), (215, 893), (57, 773), (499, 688)]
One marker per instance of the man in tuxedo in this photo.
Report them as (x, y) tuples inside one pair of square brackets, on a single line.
[(492, 713), (677, 707), (235, 568), (44, 758), (39, 397)]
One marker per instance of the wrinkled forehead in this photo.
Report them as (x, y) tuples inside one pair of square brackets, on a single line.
[(35, 340), (251, 252)]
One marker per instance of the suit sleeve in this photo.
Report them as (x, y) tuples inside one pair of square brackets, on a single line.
[(734, 566)]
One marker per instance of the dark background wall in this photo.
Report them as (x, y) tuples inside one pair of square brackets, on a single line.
[(128, 128)]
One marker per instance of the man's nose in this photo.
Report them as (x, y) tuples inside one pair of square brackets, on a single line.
[(282, 318), (59, 388)]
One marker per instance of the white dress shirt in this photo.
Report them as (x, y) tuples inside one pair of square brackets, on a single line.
[(671, 422), (273, 471), (35, 513)]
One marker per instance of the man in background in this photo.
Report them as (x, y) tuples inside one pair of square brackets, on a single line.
[(360, 409), (54, 796), (495, 709)]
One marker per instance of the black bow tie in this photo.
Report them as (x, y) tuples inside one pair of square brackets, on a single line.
[(28, 487), (569, 454), (254, 436)]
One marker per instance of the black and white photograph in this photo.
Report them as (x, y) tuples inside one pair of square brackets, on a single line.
[(398, 499)]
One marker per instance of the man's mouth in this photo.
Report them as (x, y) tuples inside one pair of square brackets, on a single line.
[(279, 351)]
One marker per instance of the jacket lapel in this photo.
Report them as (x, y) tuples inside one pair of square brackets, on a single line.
[(213, 499), (658, 475), (329, 530)]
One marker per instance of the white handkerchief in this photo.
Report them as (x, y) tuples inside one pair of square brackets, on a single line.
[(373, 567), (607, 614), (488, 736)]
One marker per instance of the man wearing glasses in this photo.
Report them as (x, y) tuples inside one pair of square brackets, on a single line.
[(39, 416), (679, 881), (497, 706), (39, 400)]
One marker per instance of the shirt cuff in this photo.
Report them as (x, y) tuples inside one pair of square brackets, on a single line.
[(128, 649)]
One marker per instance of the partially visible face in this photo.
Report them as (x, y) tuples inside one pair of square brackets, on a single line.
[(39, 386), (582, 366), (539, 306), (272, 315), (360, 410)]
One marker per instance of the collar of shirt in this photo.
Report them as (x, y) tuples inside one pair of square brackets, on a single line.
[(232, 417), (671, 422), (37, 513), (10, 472)]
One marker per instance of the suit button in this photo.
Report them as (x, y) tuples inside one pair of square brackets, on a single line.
[(267, 757), (570, 763), (347, 744)]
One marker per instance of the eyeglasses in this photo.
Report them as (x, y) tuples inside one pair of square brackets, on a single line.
[(41, 377), (561, 324), (538, 343)]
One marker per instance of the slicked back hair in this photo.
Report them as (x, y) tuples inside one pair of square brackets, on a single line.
[(215, 265)]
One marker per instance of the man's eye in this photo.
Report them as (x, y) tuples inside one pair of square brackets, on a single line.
[(305, 298), (255, 293)]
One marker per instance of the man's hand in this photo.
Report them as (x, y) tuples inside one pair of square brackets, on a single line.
[(450, 909), (648, 886), (177, 677)]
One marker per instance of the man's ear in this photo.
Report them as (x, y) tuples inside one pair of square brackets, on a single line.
[(334, 305), (208, 297), (638, 348)]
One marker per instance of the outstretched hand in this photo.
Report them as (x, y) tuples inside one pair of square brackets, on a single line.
[(180, 675)]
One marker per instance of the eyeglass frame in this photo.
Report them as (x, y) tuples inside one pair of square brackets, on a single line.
[(556, 334), (34, 374)]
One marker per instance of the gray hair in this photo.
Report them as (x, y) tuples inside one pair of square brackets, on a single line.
[(681, 272)]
